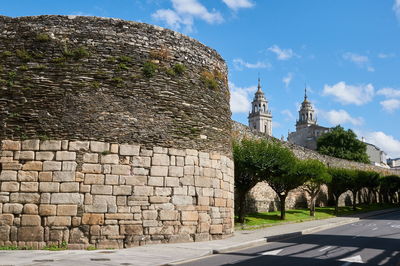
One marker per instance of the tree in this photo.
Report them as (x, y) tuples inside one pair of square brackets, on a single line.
[(372, 183), (343, 144), (339, 184), (281, 174), (357, 181), (315, 174), (389, 187), (248, 156)]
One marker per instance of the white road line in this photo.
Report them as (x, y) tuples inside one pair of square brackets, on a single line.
[(349, 260), (325, 248), (272, 252), (376, 228)]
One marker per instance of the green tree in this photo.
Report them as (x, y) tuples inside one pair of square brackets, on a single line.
[(339, 184), (343, 144), (357, 181), (248, 156), (315, 174), (389, 187), (281, 173), (372, 183)]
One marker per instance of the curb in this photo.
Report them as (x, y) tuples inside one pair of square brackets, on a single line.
[(279, 237)]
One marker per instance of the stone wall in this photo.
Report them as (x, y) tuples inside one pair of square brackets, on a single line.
[(263, 199), (111, 195), (114, 134)]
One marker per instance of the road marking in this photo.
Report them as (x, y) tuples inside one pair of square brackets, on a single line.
[(349, 260), (376, 228), (272, 252), (395, 226), (325, 248)]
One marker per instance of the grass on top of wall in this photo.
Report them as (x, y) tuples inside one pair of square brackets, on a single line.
[(265, 219)]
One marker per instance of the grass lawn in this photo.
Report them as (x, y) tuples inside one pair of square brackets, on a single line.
[(264, 219)]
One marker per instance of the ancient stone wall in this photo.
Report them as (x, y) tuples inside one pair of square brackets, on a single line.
[(114, 134), (263, 199)]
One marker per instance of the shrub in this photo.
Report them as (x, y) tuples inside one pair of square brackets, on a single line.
[(149, 69), (23, 55), (43, 37), (179, 69)]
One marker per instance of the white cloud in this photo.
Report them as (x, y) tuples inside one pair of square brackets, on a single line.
[(184, 12), (281, 54), (287, 79), (239, 64), (387, 143), (350, 94), (389, 93), (384, 56), (241, 98), (390, 105), (396, 8), (361, 61), (289, 115), (336, 117), (236, 4)]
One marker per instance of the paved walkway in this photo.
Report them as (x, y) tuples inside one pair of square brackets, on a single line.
[(168, 254)]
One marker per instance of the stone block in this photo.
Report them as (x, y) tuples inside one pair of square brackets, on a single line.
[(112, 180), (69, 166), (160, 150), (168, 215), (59, 220), (30, 220), (135, 180), (65, 156), (4, 197), (110, 230), (4, 233), (91, 158), (189, 216), (7, 175), (172, 181), (30, 145), (24, 198), (69, 187), (122, 190), (209, 172), (97, 146), (29, 186), (109, 159), (91, 168), (182, 200), (175, 171), (31, 234), (159, 199), (140, 161), (119, 216), (94, 179), (203, 201), (180, 191), (159, 171), (114, 148), (102, 189), (131, 229), (28, 176), (47, 210), (64, 144), (93, 218), (163, 191), (192, 152), (49, 187), (33, 166), (15, 208), (66, 198), (79, 146), (67, 210), (216, 229), (6, 219), (120, 170), (10, 145), (142, 191), (150, 215), (31, 209), (50, 145), (219, 202), (64, 176), (10, 186), (84, 188), (11, 166), (140, 171), (51, 166), (156, 181), (44, 155), (201, 181), (130, 150), (160, 160)]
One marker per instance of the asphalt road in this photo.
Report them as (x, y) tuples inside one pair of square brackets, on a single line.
[(372, 241)]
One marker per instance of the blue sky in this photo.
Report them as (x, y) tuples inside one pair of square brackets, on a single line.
[(346, 51)]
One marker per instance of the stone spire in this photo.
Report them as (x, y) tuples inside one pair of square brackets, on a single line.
[(306, 113), (260, 117)]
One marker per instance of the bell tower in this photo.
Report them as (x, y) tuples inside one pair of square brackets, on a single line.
[(260, 118), (306, 114)]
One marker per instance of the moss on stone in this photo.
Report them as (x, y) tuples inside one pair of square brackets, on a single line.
[(149, 69), (23, 55), (42, 37)]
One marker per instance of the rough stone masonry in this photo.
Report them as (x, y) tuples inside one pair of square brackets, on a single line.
[(113, 134)]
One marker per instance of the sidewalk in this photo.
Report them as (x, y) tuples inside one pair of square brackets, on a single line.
[(168, 254)]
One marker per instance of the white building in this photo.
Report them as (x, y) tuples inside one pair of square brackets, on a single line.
[(260, 118)]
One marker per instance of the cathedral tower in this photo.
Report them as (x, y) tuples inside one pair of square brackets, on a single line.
[(306, 114), (260, 117)]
